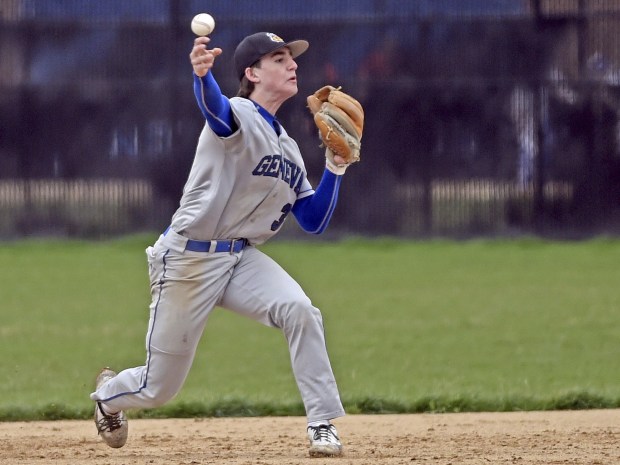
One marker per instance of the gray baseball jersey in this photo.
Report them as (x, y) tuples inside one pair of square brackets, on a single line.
[(220, 200)]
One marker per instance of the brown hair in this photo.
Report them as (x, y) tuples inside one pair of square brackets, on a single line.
[(246, 87)]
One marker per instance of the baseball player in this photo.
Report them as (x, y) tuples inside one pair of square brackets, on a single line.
[(247, 177)]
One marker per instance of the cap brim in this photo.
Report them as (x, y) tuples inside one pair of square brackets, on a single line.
[(297, 47)]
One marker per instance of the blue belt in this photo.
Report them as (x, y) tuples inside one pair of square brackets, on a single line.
[(231, 246)]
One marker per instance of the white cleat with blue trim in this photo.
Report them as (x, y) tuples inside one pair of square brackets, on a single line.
[(324, 441)]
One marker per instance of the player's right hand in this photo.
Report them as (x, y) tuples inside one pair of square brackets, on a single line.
[(201, 58)]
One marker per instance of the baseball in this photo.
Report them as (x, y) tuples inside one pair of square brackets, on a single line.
[(203, 24)]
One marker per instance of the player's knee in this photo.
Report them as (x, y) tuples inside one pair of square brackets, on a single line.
[(160, 395), (163, 388), (303, 314)]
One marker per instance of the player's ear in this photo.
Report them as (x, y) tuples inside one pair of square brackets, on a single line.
[(250, 74)]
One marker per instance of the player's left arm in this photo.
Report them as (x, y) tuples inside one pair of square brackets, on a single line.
[(314, 211)]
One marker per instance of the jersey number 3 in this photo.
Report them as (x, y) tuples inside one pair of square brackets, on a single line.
[(286, 209)]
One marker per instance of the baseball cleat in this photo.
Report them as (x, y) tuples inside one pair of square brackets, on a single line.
[(324, 441), (113, 428)]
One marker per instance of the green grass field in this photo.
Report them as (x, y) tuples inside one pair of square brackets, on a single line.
[(480, 325)]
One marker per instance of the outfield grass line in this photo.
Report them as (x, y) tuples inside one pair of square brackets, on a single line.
[(417, 326)]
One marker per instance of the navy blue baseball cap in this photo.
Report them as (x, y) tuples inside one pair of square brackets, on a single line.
[(255, 46)]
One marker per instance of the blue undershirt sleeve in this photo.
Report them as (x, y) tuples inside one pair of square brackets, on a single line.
[(314, 212), (214, 105)]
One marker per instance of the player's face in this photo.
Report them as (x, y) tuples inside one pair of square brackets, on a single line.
[(278, 73)]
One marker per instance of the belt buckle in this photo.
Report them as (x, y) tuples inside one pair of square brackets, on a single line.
[(234, 242), (232, 245)]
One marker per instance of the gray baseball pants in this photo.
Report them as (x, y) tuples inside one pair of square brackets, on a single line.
[(185, 287)]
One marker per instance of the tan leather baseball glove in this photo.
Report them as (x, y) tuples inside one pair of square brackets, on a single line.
[(340, 120)]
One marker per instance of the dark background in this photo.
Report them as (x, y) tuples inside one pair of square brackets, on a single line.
[(483, 117)]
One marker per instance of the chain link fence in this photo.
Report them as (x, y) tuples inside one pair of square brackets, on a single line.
[(484, 117)]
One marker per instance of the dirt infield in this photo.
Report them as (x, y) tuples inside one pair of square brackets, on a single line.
[(523, 438)]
